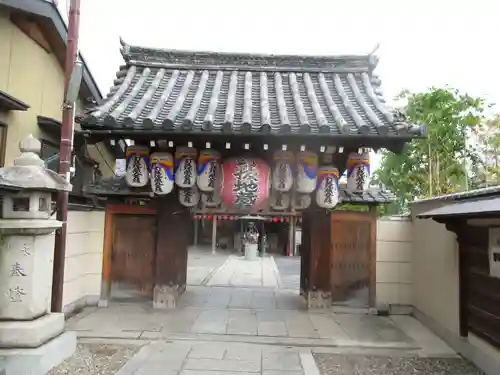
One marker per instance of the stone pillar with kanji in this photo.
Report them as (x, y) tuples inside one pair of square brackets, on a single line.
[(32, 339)]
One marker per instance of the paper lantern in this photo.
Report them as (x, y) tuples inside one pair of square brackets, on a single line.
[(327, 192), (189, 197), (245, 183), (162, 173), (282, 179), (210, 199), (185, 167), (279, 201), (358, 171), (307, 168), (137, 161), (209, 170), (302, 201)]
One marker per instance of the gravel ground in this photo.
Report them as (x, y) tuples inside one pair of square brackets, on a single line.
[(332, 364), (96, 359)]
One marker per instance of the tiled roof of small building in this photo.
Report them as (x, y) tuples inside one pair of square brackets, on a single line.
[(118, 187), (245, 93)]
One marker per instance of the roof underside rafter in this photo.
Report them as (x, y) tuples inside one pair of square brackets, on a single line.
[(178, 91)]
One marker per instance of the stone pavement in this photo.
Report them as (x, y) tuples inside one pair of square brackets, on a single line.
[(208, 358), (243, 317)]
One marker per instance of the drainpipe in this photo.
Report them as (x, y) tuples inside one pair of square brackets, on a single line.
[(65, 150)]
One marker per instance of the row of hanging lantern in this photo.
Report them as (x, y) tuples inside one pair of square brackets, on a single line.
[(275, 219), (244, 183)]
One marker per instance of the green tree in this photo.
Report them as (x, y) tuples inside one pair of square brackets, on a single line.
[(487, 137), (438, 164)]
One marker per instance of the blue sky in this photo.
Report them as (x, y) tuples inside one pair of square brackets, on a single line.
[(422, 43)]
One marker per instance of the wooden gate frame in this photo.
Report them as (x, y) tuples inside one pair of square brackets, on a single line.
[(109, 225), (370, 217)]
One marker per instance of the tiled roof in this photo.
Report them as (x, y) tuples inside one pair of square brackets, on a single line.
[(476, 193), (184, 91), (118, 187), (473, 207)]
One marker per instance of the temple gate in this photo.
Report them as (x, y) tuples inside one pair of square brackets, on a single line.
[(214, 136)]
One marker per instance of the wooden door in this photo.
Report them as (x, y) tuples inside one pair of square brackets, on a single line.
[(133, 256), (353, 258)]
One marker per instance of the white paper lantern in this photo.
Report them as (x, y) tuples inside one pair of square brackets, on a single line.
[(189, 197), (162, 173), (137, 159), (327, 192), (358, 171), (185, 167), (279, 201), (302, 201), (210, 200), (307, 168), (283, 171), (209, 170)]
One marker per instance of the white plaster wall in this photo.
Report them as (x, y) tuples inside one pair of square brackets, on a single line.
[(394, 270), (435, 266), (435, 288), (83, 267)]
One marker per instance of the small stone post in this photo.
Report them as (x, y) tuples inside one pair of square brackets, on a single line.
[(31, 337)]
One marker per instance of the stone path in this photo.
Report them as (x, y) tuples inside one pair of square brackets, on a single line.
[(238, 272), (289, 271), (186, 358), (246, 317), (202, 264)]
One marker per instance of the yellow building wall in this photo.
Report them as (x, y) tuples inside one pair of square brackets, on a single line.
[(29, 73)]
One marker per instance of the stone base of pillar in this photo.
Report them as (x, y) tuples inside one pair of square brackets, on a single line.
[(38, 361), (30, 333), (318, 300), (166, 297)]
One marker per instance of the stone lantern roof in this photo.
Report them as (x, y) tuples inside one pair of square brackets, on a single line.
[(29, 171)]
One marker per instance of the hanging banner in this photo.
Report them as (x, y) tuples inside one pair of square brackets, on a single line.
[(327, 192), (209, 170), (283, 171), (302, 201), (279, 201), (189, 197), (210, 200), (137, 161), (358, 171), (307, 168), (185, 166), (162, 173), (245, 183)]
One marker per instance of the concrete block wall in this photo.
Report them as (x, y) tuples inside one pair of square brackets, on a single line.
[(394, 268), (83, 267)]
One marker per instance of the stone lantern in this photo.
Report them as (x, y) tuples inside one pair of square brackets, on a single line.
[(31, 337)]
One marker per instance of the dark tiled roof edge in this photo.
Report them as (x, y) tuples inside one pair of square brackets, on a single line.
[(477, 193), (118, 187), (185, 59)]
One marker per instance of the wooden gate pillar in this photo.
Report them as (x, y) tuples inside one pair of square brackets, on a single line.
[(174, 235), (315, 250)]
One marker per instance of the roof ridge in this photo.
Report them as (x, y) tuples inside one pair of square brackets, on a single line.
[(141, 55)]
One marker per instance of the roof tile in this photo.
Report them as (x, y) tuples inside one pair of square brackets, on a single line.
[(236, 93)]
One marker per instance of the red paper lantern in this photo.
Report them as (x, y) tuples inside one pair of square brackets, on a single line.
[(287, 220), (281, 219), (209, 217), (246, 183), (275, 219)]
